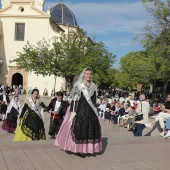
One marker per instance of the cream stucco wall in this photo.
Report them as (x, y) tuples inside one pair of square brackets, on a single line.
[(39, 4), (15, 9), (37, 27), (47, 82)]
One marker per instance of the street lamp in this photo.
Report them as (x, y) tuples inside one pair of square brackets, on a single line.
[(154, 83), (55, 76)]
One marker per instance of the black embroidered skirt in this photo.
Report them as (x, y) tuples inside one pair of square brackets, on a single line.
[(86, 127)]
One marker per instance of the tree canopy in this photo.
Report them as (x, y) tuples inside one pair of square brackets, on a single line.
[(154, 62), (134, 68), (66, 56)]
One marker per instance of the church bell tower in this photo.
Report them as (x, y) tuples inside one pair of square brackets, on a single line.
[(39, 4)]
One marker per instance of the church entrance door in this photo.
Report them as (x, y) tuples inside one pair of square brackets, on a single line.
[(17, 79)]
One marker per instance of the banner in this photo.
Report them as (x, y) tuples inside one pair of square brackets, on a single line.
[(139, 87)]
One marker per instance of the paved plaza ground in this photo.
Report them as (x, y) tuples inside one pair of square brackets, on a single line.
[(121, 151)]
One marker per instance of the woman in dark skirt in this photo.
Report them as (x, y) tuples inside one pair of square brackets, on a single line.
[(107, 115), (81, 132), (13, 111), (31, 123)]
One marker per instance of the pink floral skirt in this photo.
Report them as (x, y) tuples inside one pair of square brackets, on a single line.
[(9, 127), (64, 139)]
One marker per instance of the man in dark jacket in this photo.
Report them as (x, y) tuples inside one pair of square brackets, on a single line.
[(4, 101), (57, 108), (118, 113)]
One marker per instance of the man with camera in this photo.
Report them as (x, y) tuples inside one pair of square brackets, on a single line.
[(142, 112)]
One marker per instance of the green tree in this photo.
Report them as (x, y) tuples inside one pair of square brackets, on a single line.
[(106, 79), (157, 39), (134, 69), (159, 55), (160, 11), (66, 56)]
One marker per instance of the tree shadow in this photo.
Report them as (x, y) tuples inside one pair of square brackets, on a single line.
[(157, 125)]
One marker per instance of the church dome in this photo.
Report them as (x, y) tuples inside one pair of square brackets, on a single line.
[(61, 14)]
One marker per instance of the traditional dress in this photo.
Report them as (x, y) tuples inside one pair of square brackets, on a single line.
[(13, 111), (81, 131), (31, 125)]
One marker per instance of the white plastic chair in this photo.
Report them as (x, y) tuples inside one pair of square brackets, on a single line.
[(118, 119)]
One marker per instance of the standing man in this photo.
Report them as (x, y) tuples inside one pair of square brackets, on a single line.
[(4, 101), (57, 108)]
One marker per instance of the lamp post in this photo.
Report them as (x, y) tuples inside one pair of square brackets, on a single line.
[(55, 76), (154, 83), (165, 90)]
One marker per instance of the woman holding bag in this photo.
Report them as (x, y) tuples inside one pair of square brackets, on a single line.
[(81, 132), (142, 108)]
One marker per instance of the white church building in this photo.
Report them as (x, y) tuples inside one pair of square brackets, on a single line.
[(25, 20)]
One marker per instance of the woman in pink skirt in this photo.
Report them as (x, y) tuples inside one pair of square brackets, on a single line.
[(12, 113), (80, 131)]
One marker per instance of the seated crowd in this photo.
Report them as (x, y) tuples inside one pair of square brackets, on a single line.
[(15, 89), (123, 111), (117, 111)]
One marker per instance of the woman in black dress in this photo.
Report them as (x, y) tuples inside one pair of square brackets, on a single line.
[(31, 123), (81, 131), (12, 113)]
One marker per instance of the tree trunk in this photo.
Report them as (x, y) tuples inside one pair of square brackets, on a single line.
[(151, 88), (69, 84), (165, 89)]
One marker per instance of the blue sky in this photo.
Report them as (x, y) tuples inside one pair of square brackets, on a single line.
[(114, 22)]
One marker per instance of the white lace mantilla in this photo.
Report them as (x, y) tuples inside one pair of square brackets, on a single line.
[(91, 89)]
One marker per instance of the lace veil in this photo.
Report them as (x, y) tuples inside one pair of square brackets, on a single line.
[(12, 104), (76, 91)]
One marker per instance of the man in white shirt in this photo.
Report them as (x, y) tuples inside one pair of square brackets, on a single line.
[(57, 108)]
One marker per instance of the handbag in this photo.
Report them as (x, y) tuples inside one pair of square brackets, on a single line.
[(139, 117)]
